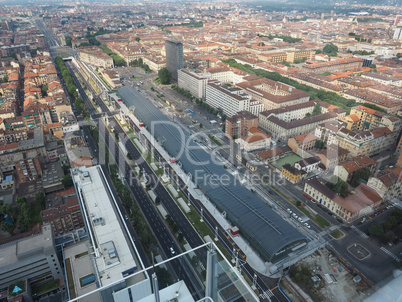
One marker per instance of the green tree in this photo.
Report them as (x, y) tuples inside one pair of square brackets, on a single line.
[(68, 41), (6, 227), (21, 200), (67, 181), (373, 66), (201, 126), (44, 89), (137, 39), (359, 176), (339, 186), (40, 199), (164, 278), (376, 230), (330, 50), (319, 144), (165, 76), (317, 109)]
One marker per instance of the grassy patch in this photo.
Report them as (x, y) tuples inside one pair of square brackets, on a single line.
[(71, 288), (146, 87), (44, 288), (214, 140), (308, 214), (337, 234), (134, 78), (321, 221), (157, 80), (81, 255)]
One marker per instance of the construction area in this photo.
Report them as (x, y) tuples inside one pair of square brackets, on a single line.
[(322, 277)]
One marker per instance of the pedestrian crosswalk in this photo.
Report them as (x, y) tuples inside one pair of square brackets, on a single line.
[(359, 232), (390, 254), (267, 294)]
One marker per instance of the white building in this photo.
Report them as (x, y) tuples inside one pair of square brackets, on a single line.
[(230, 100), (196, 84), (113, 258), (397, 33)]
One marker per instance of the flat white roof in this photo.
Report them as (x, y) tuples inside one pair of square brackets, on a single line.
[(114, 253)]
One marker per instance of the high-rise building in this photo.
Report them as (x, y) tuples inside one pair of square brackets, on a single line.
[(174, 56), (33, 258)]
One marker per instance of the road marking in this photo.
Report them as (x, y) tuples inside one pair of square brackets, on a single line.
[(390, 254)]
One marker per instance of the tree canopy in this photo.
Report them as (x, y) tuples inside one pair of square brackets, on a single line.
[(360, 175), (165, 76), (317, 109), (330, 50), (339, 186)]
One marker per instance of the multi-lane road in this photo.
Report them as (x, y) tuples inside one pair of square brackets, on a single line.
[(153, 218), (167, 242)]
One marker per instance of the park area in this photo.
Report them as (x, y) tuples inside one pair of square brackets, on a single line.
[(289, 159)]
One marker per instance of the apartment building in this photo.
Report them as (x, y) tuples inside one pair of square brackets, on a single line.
[(368, 142), (327, 131), (292, 112), (364, 200), (387, 184), (293, 174), (63, 213), (332, 155), (127, 52), (331, 66), (240, 124), (155, 63), (230, 100), (256, 139), (95, 56), (347, 169), (367, 118), (316, 80), (195, 83), (273, 94), (304, 142), (112, 77), (286, 56), (33, 258), (384, 78), (389, 104), (284, 130), (309, 165)]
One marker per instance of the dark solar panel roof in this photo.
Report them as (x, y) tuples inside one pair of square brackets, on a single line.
[(267, 232)]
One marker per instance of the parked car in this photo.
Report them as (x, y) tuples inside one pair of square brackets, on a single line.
[(172, 251), (307, 225)]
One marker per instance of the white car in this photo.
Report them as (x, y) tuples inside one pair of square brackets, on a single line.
[(289, 210), (172, 251), (307, 225), (300, 219)]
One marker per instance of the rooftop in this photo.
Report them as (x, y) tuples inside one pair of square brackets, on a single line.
[(106, 229), (267, 231)]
